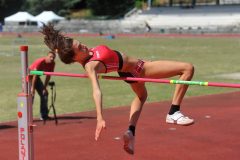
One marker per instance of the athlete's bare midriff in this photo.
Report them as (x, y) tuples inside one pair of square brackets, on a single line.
[(129, 63)]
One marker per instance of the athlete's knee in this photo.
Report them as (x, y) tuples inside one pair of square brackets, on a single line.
[(143, 97), (189, 70)]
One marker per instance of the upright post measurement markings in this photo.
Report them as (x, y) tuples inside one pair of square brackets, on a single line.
[(24, 107)]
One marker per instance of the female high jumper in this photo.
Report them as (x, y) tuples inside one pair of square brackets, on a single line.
[(102, 59)]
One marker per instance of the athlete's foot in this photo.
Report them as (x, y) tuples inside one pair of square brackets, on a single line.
[(179, 118), (128, 142)]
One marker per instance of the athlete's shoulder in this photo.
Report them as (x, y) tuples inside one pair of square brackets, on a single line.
[(101, 47)]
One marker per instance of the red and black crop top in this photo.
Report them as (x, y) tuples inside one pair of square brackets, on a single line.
[(111, 59)]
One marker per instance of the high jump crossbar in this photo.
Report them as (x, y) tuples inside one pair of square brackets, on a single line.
[(167, 81)]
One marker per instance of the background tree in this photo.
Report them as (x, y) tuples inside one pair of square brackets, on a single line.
[(37, 6), (111, 8), (9, 7)]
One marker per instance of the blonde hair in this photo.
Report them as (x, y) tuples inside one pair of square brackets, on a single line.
[(58, 43)]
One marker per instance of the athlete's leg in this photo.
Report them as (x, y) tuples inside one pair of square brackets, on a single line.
[(135, 111), (137, 103), (166, 69)]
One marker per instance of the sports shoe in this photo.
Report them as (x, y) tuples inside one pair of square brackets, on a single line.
[(179, 118), (128, 142)]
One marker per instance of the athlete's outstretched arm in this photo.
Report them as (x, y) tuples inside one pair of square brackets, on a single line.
[(97, 96)]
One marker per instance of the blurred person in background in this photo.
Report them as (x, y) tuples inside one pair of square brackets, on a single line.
[(47, 64)]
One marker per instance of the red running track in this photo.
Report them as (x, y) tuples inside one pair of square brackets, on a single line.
[(214, 136)]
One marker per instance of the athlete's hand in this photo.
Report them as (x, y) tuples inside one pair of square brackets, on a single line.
[(101, 124)]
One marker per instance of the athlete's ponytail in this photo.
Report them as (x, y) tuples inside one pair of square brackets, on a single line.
[(58, 43)]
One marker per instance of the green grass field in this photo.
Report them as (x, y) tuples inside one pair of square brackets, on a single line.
[(210, 56)]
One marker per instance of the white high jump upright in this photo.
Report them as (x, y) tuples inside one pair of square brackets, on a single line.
[(25, 116)]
